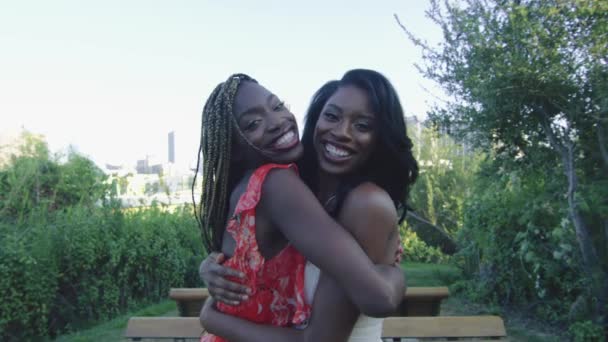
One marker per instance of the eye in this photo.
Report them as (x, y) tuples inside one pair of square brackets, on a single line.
[(280, 106), (363, 126), (251, 125), (329, 116)]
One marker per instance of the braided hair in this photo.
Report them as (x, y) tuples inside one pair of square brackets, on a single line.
[(218, 122)]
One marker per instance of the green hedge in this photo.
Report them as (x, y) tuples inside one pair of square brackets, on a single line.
[(64, 269), (416, 250), (518, 248)]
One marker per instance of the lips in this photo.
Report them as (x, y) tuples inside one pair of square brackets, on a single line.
[(285, 141), (336, 152)]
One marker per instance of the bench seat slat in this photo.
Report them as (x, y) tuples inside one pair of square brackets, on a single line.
[(444, 326), (163, 327), (394, 327)]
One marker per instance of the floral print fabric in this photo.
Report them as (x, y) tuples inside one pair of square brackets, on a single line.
[(277, 283)]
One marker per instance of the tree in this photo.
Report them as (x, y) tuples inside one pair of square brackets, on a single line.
[(528, 77), (36, 180), (446, 176)]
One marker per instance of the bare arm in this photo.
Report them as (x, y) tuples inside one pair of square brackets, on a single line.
[(298, 214), (382, 297), (369, 214), (332, 320)]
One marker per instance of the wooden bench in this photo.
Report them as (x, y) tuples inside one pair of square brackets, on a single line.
[(468, 328), (418, 301), (422, 301)]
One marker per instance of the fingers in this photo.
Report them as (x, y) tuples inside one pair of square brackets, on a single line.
[(212, 264), (218, 257), (221, 289), (211, 267), (226, 297), (222, 271), (204, 267), (228, 292)]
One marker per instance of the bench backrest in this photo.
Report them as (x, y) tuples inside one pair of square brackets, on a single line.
[(447, 327), (410, 293), (417, 301)]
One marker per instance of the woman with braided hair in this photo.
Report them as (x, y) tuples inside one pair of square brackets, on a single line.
[(257, 211)]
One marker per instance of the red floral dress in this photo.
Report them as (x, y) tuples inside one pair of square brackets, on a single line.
[(277, 283)]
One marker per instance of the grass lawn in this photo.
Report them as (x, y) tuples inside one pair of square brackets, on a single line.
[(112, 331), (417, 274)]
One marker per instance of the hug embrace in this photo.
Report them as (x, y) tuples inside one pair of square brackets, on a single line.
[(304, 232)]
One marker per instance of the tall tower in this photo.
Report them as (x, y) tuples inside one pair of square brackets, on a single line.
[(171, 147)]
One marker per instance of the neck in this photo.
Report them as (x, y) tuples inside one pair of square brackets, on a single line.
[(328, 185)]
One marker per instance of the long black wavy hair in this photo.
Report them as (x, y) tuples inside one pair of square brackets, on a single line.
[(391, 166)]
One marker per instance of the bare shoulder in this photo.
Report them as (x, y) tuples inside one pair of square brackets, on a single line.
[(369, 214), (283, 192), (368, 209), (278, 179), (368, 200)]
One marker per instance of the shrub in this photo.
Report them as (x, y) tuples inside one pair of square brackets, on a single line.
[(83, 264), (516, 246), (416, 250), (586, 331), (69, 255)]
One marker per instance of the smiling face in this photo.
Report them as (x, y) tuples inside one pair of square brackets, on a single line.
[(346, 132), (267, 125)]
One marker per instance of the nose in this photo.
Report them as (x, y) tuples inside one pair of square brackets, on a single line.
[(341, 131), (274, 124)]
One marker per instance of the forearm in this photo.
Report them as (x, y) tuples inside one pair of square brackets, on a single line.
[(395, 279), (304, 222), (376, 292), (239, 330)]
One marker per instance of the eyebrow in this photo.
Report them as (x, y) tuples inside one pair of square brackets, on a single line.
[(368, 116), (256, 109), (335, 107), (365, 115)]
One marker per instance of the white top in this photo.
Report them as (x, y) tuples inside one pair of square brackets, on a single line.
[(367, 329)]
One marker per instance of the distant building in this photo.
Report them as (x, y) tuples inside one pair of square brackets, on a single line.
[(111, 167), (171, 147), (144, 167)]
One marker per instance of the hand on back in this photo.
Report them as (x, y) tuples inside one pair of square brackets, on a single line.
[(220, 287)]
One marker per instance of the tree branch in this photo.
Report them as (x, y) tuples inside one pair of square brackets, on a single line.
[(410, 35), (448, 246), (602, 142)]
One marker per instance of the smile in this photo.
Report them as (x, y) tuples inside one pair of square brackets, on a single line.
[(287, 140), (336, 153)]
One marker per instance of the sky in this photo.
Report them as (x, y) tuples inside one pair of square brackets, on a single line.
[(112, 78)]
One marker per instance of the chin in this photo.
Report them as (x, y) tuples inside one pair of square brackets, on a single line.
[(290, 156), (336, 170)]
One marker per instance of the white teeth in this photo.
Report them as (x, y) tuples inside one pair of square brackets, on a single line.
[(336, 152), (287, 138)]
